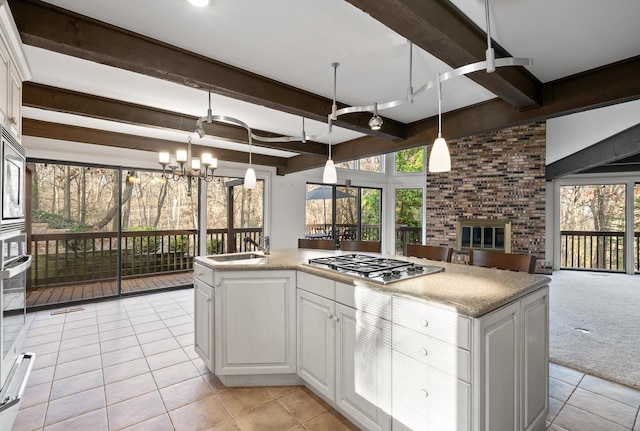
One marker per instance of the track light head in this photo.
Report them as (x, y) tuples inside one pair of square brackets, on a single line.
[(200, 132), (375, 122)]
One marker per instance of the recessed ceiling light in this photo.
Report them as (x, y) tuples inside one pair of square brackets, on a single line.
[(199, 3)]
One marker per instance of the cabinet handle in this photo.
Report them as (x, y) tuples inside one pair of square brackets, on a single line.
[(208, 299), (424, 322), (13, 120), (329, 316), (424, 393), (217, 285), (200, 274), (424, 352), (336, 318)]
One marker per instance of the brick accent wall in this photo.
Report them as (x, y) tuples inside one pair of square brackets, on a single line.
[(499, 174)]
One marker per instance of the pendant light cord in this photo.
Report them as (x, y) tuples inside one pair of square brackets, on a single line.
[(439, 107), (486, 7)]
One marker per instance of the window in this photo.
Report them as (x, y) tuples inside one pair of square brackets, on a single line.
[(409, 161), (369, 164), (592, 226), (343, 213), (227, 230), (408, 218)]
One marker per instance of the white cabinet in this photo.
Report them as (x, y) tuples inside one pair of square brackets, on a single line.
[(203, 333), (203, 279), (316, 342), (363, 367), (255, 322), (5, 65), (535, 360), (13, 71), (14, 114), (498, 353), (454, 373), (343, 353), (431, 378)]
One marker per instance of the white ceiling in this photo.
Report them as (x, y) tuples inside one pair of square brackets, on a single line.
[(295, 42)]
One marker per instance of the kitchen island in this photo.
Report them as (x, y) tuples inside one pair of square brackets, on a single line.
[(463, 349)]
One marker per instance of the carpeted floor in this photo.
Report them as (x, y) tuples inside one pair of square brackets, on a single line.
[(595, 324)]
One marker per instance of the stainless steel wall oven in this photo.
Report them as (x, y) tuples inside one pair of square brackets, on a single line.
[(15, 365)]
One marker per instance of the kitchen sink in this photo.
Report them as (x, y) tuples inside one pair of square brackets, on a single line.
[(238, 258)]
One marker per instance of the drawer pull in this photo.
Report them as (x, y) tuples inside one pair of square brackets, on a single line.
[(424, 323), (424, 352), (329, 316), (424, 393), (200, 274)]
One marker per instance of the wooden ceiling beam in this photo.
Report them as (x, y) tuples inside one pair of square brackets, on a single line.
[(45, 129), (439, 28), (52, 28), (608, 85), (72, 102), (620, 146)]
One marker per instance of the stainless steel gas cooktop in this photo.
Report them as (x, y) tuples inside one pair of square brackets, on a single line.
[(374, 268)]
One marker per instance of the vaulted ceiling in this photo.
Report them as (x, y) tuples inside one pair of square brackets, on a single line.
[(137, 74)]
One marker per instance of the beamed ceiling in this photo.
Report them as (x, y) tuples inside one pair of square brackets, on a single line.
[(441, 33)]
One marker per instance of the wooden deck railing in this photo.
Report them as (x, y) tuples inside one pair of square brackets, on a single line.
[(73, 257), (368, 232), (406, 235), (596, 250)]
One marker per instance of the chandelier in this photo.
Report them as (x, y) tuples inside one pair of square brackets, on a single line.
[(184, 165)]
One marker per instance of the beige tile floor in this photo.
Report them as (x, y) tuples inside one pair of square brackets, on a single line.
[(129, 364)]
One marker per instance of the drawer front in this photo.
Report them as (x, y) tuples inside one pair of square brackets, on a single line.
[(318, 285), (406, 419), (364, 299), (203, 273), (445, 325), (441, 398), (435, 353)]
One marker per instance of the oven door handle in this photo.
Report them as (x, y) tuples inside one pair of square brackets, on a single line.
[(15, 270)]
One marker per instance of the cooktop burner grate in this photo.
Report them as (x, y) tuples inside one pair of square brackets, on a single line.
[(375, 268)]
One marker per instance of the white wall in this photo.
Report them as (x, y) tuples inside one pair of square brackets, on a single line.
[(571, 133)]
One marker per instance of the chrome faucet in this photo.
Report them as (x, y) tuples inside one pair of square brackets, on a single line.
[(264, 249)]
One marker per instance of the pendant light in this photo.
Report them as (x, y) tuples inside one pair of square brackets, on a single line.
[(439, 158), (250, 175), (330, 176)]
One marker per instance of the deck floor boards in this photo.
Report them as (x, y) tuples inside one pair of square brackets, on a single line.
[(101, 289)]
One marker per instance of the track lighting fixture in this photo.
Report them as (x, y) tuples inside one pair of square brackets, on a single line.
[(375, 122)]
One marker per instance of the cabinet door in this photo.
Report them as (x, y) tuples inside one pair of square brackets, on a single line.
[(203, 329), (316, 342), (535, 359), (255, 322), (363, 373), (499, 357), (4, 83), (15, 103)]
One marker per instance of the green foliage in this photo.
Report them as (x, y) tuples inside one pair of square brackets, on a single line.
[(214, 246), (144, 244), (79, 244), (179, 243), (56, 221), (409, 207), (370, 203), (410, 160)]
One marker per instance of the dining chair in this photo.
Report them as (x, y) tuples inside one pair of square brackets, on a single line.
[(370, 246), (496, 259), (322, 244), (433, 252)]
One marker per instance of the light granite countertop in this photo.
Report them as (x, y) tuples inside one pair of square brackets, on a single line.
[(468, 290)]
